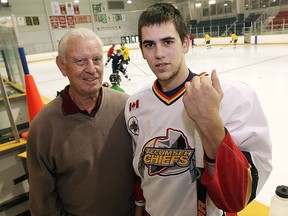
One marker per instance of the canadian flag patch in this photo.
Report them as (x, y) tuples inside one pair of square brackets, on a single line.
[(134, 105)]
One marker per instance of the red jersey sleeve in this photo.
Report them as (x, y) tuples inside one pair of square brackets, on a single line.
[(230, 186)]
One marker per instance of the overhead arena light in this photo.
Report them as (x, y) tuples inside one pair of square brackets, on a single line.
[(4, 1), (212, 2), (198, 4), (129, 1)]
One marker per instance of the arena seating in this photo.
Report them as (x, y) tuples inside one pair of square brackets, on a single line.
[(218, 27), (280, 20), (243, 26)]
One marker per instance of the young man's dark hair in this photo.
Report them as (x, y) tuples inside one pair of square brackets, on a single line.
[(165, 13)]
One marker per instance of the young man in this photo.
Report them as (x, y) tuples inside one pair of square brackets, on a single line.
[(201, 146), (79, 152)]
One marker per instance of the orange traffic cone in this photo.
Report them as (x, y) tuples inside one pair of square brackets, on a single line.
[(25, 135), (34, 100)]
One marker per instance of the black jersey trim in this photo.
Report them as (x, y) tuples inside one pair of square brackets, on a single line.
[(172, 96)]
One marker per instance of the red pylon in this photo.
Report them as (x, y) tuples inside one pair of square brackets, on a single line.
[(33, 98)]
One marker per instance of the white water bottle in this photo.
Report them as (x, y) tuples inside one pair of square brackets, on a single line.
[(279, 202)]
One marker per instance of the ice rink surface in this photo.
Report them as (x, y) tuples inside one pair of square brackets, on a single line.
[(263, 67)]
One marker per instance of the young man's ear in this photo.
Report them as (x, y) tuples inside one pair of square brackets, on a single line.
[(142, 51), (61, 65), (186, 44)]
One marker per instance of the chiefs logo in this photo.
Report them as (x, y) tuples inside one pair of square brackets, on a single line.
[(168, 155)]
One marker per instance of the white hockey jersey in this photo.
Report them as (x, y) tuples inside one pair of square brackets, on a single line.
[(166, 145)]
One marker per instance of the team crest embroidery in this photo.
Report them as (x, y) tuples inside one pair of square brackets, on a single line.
[(133, 125), (168, 155)]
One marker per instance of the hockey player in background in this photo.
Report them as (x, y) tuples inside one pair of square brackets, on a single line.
[(125, 52), (234, 39), (117, 64), (192, 38), (208, 41), (115, 80), (110, 53)]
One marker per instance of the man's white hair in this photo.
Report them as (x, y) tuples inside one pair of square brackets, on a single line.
[(75, 33)]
